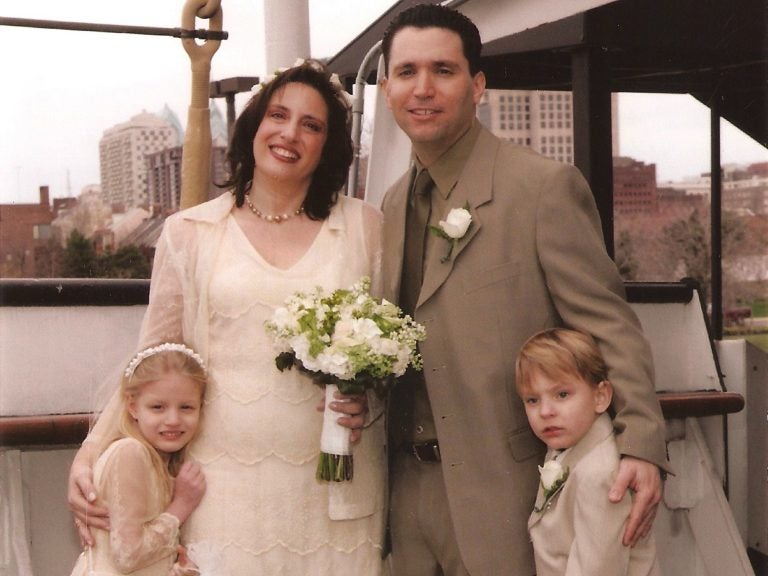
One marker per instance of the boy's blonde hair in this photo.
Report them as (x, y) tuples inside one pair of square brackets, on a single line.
[(560, 352)]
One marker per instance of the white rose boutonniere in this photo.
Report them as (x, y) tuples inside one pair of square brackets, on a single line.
[(453, 228), (553, 477)]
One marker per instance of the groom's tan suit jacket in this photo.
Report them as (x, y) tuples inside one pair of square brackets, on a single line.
[(532, 259)]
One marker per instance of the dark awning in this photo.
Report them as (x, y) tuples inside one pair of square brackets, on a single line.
[(663, 46)]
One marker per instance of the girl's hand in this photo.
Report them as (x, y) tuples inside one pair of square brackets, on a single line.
[(188, 490)]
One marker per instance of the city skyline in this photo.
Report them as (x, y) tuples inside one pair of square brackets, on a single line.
[(59, 109)]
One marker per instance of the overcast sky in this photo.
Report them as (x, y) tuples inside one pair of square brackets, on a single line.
[(62, 90)]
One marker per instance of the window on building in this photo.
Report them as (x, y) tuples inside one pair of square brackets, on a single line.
[(41, 232)]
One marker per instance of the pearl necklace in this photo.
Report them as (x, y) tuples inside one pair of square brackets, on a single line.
[(272, 218)]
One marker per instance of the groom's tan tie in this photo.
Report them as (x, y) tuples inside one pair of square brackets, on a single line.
[(416, 220)]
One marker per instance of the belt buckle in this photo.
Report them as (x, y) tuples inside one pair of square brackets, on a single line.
[(426, 451)]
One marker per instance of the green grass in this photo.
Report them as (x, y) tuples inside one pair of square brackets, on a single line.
[(759, 340), (759, 308)]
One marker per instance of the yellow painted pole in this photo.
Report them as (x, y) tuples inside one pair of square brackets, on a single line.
[(196, 156)]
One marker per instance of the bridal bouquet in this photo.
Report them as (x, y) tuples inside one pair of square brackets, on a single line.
[(346, 341)]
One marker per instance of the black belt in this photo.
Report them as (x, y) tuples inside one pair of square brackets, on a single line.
[(424, 451)]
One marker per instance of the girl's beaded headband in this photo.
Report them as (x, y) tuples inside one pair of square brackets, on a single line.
[(165, 347)]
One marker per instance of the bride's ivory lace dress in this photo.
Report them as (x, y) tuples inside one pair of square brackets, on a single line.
[(263, 510), (142, 539)]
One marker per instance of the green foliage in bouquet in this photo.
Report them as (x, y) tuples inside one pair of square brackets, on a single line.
[(346, 338)]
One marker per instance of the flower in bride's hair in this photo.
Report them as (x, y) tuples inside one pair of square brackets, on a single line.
[(343, 95), (257, 88), (334, 79)]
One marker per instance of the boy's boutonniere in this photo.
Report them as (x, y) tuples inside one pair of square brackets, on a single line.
[(453, 228), (553, 477)]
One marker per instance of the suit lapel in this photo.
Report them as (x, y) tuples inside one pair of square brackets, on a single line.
[(474, 188)]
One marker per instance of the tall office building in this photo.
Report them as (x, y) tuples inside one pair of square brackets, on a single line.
[(164, 166), (122, 156), (164, 176), (539, 119)]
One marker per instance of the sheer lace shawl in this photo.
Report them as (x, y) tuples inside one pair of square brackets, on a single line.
[(187, 249), (140, 534)]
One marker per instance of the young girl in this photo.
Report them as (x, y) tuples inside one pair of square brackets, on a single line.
[(563, 381), (142, 477)]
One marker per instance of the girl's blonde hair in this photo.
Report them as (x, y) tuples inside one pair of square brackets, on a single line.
[(560, 352), (150, 365)]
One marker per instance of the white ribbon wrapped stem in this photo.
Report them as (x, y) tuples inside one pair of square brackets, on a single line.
[(335, 437)]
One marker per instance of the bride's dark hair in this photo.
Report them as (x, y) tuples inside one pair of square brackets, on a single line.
[(331, 172)]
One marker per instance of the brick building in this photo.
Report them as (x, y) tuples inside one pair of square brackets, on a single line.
[(25, 230), (634, 186)]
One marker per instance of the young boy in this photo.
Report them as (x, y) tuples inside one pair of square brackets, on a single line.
[(563, 381)]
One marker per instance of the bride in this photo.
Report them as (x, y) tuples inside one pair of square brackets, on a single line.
[(220, 270)]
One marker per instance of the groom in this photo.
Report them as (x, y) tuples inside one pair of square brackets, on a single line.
[(464, 459)]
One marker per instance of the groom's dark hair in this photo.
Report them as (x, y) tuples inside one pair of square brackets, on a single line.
[(436, 16)]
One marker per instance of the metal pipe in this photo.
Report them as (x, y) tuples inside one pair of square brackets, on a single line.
[(358, 104), (115, 28), (452, 3), (716, 221)]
